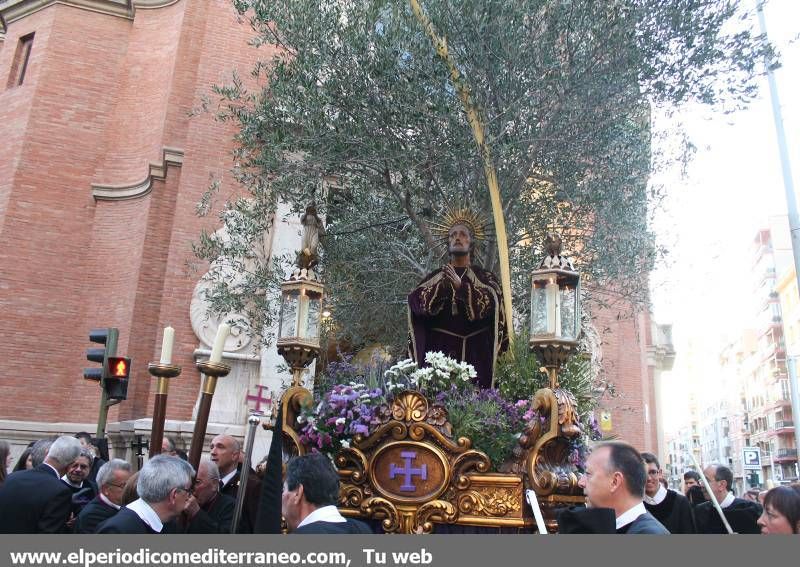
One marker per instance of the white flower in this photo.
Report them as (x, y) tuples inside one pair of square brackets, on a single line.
[(365, 396), (340, 421), (345, 444), (436, 358), (301, 418)]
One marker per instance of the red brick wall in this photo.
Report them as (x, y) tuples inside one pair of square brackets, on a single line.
[(624, 335), (53, 126), (102, 97)]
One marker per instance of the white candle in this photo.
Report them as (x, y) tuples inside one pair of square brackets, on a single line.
[(219, 342), (166, 345), (302, 315), (553, 308)]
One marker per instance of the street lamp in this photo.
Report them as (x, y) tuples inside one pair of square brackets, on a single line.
[(555, 309)]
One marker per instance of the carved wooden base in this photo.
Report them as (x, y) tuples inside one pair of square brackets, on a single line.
[(410, 474)]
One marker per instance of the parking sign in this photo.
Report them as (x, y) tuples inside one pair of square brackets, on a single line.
[(751, 458)]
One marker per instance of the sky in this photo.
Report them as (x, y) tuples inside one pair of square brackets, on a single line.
[(711, 215)]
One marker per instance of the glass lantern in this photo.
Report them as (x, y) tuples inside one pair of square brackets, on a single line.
[(301, 309), (555, 305)]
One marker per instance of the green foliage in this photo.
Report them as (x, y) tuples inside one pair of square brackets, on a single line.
[(520, 373), (492, 423), (359, 114)]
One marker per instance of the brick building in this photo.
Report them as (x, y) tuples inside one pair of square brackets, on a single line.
[(102, 166)]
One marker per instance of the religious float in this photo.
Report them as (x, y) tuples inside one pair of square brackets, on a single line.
[(403, 467)]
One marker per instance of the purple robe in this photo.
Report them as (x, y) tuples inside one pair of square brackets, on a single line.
[(467, 324)]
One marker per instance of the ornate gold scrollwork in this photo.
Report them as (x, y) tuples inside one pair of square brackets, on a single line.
[(410, 406), (353, 463), (351, 496), (548, 466), (434, 510), (496, 502), (292, 403), (469, 461), (381, 506)]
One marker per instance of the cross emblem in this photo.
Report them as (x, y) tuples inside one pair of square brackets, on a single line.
[(259, 399), (407, 471)]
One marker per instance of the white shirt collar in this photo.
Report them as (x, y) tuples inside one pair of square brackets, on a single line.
[(630, 515), (324, 514), (658, 497), (146, 513), (227, 478), (109, 502), (727, 501), (69, 482)]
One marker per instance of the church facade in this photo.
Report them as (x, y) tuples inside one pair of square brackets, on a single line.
[(103, 158)]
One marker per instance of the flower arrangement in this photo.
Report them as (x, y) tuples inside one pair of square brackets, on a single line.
[(490, 422), (356, 399), (442, 373), (344, 411)]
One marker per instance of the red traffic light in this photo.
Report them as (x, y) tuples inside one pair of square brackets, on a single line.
[(119, 367)]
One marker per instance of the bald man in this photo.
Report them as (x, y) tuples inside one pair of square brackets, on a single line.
[(226, 453)]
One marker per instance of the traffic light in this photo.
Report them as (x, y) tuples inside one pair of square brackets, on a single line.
[(107, 337), (114, 371), (116, 381)]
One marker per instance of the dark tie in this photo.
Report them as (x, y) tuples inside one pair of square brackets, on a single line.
[(221, 485)]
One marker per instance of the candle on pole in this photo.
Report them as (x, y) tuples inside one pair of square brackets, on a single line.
[(166, 345), (219, 342), (162, 371), (212, 369)]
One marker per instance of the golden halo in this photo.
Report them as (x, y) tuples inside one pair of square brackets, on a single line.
[(476, 222)]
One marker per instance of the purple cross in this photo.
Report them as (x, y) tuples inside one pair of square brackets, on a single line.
[(407, 471), (259, 399)]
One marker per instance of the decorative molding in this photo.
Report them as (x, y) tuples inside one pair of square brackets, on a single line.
[(152, 4), (13, 10), (158, 171)]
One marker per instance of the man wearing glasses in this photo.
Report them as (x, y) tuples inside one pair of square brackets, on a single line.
[(111, 479), (673, 510), (164, 487)]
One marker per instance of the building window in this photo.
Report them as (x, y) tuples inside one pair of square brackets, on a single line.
[(21, 59)]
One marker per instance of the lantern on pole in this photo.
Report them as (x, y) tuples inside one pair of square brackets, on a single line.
[(555, 309), (301, 303)]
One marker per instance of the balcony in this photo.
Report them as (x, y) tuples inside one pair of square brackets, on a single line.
[(784, 426), (785, 455), (781, 402)]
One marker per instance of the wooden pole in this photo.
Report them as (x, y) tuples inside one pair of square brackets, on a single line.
[(212, 371)]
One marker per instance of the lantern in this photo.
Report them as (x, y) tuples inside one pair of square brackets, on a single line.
[(299, 322), (555, 308)]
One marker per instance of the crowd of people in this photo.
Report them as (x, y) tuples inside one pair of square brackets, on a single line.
[(63, 485), (626, 493)]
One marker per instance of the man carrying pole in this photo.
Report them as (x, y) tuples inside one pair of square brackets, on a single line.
[(725, 513)]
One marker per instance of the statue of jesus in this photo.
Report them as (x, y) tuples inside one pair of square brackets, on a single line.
[(458, 309)]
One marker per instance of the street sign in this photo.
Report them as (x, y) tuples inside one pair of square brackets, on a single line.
[(751, 458)]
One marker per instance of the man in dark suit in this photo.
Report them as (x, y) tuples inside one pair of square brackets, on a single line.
[(673, 510), (742, 515), (111, 479), (164, 486), (35, 500), (76, 479), (309, 498), (226, 453), (208, 511), (615, 478), (87, 443)]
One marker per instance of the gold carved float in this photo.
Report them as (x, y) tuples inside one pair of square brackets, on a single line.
[(410, 474)]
